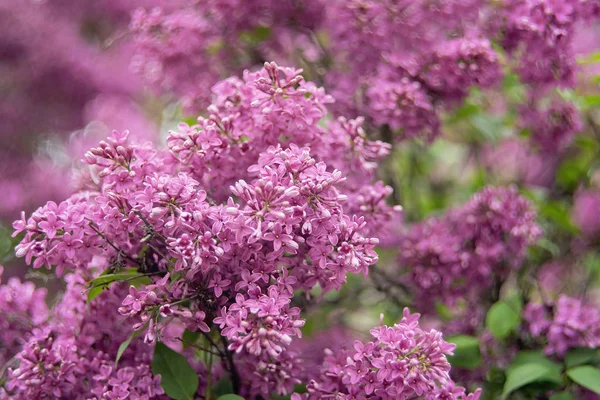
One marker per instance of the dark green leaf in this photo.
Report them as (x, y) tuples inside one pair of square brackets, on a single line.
[(559, 214), (562, 396), (178, 379), (586, 376), (222, 387), (230, 397), (256, 35), (103, 281), (533, 357), (502, 319), (6, 245), (576, 357), (467, 354), (189, 338), (525, 374)]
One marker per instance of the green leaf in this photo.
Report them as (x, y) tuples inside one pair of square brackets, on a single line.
[(558, 213), (467, 354), (125, 345), (562, 396), (586, 376), (490, 128), (257, 35), (178, 379), (591, 100), (589, 58), (103, 281), (189, 338), (222, 387), (502, 319), (525, 374), (533, 357), (6, 245), (576, 357), (230, 397)]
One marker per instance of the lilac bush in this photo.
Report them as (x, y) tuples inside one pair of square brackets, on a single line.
[(363, 199)]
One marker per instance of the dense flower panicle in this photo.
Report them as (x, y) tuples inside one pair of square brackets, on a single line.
[(462, 254), (539, 35), (23, 309), (173, 53), (459, 65), (402, 361), (186, 51), (400, 56), (552, 128), (73, 353), (403, 105), (275, 105), (227, 224), (378, 56), (566, 324)]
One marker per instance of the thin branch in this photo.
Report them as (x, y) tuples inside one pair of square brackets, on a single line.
[(121, 252)]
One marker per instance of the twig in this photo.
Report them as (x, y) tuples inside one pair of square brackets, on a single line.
[(121, 252)]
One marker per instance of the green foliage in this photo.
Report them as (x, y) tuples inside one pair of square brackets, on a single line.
[(502, 318), (257, 35), (178, 378), (586, 376), (531, 367), (562, 396), (580, 356), (103, 281), (230, 397), (467, 353), (574, 170), (6, 244), (189, 338), (222, 387)]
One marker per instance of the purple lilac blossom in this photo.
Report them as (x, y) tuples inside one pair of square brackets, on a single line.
[(563, 325)]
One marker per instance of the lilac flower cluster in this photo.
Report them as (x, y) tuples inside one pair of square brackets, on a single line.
[(23, 309), (187, 50), (463, 254), (219, 260), (400, 63), (73, 353), (401, 362), (553, 127), (539, 35), (275, 105), (566, 324)]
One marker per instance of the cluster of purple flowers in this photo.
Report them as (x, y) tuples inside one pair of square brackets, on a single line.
[(218, 260), (23, 309), (539, 35), (400, 63), (218, 244), (552, 127), (462, 255), (563, 325), (401, 362), (72, 354)]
